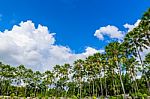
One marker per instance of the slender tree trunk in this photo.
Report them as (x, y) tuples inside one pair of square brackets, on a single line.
[(101, 86), (80, 89), (105, 84), (116, 84), (35, 91), (7, 90), (121, 79), (143, 71), (93, 88), (96, 91), (90, 88), (114, 89), (136, 83), (17, 91)]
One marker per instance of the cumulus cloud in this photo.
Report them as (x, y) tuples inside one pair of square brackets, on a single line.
[(35, 48), (111, 31), (114, 33), (130, 27)]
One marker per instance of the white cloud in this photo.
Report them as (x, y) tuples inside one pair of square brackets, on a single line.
[(111, 31), (35, 48), (114, 33), (130, 27)]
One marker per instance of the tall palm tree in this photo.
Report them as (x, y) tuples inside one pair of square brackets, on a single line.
[(144, 27), (78, 73), (48, 79), (131, 69), (136, 44), (37, 77), (20, 71), (92, 69), (116, 51), (99, 64), (28, 79)]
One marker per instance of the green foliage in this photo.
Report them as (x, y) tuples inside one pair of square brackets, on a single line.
[(94, 97), (112, 97), (112, 73), (145, 95), (139, 95), (12, 95), (46, 97), (74, 97), (101, 97)]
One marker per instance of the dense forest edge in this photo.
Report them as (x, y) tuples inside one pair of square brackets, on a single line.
[(120, 72)]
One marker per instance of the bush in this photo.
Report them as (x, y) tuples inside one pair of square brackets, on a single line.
[(139, 95), (120, 97), (102, 97), (32, 95), (74, 97), (12, 95), (112, 97), (94, 97), (46, 97), (145, 95), (40, 96)]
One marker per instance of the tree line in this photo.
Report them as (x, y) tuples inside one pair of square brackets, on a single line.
[(121, 69)]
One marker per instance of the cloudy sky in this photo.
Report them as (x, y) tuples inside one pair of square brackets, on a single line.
[(43, 33)]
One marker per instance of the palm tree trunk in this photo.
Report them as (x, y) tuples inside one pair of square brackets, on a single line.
[(121, 79), (105, 83), (101, 86), (114, 89), (17, 91), (136, 84), (93, 88), (143, 71), (80, 89), (25, 91), (35, 91)]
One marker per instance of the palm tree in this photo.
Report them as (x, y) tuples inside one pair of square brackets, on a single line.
[(37, 77), (78, 74), (99, 65), (131, 69), (28, 79), (19, 77), (91, 68), (116, 51), (136, 44), (48, 79), (144, 27)]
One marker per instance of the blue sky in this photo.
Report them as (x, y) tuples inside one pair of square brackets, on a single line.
[(73, 21)]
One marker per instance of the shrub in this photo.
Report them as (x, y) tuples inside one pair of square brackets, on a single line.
[(12, 95), (101, 97), (46, 97), (145, 95), (74, 97), (112, 97), (120, 97), (94, 97)]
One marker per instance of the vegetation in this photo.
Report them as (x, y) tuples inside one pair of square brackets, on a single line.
[(113, 73)]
